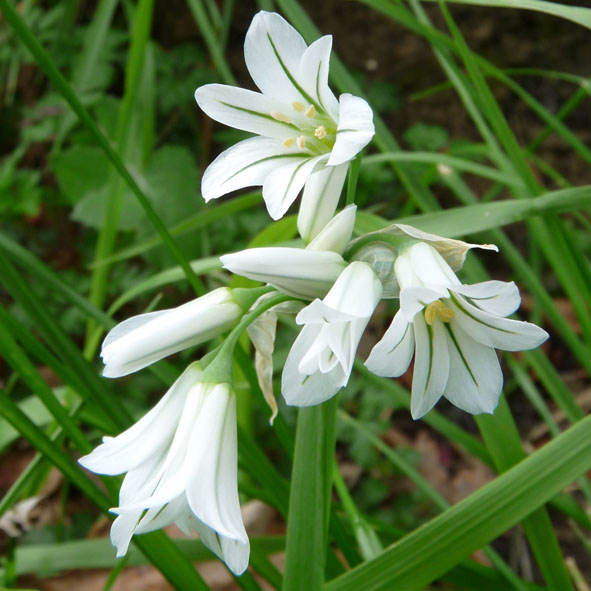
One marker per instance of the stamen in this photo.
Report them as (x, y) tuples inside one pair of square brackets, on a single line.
[(320, 132), (310, 112), (440, 310), (280, 117), (297, 106), (301, 141), (288, 142)]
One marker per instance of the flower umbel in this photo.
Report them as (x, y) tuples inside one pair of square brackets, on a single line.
[(453, 331), (321, 358), (305, 137), (180, 462)]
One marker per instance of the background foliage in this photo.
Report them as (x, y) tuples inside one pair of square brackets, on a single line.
[(482, 119)]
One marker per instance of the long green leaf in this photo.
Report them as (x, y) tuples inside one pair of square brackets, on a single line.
[(577, 14), (470, 219), (425, 554)]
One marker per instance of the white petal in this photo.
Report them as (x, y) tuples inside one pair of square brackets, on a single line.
[(392, 355), (495, 297), (318, 312), (306, 390), (357, 291), (246, 164), (144, 339), (355, 129), (171, 479), (132, 447), (272, 51), (320, 200), (431, 368), (244, 109), (313, 74), (123, 529), (495, 331), (159, 517), (430, 266), (475, 378), (212, 489), (337, 233), (283, 184), (302, 273), (234, 553)]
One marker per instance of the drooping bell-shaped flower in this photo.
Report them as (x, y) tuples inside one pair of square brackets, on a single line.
[(180, 465), (321, 359), (303, 273), (305, 137), (453, 330), (147, 338)]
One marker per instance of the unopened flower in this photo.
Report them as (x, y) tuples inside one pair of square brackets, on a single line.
[(321, 358), (453, 330), (305, 137), (180, 462), (147, 338), (303, 273)]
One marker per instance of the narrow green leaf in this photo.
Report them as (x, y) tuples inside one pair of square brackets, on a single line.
[(425, 554), (502, 440), (577, 14), (462, 221)]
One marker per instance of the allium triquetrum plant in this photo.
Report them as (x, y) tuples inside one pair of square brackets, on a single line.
[(367, 313)]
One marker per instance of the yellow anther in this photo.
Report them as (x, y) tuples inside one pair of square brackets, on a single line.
[(299, 107), (288, 142), (301, 141), (440, 310), (279, 117), (320, 132), (310, 111)]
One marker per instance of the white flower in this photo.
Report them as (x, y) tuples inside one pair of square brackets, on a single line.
[(305, 137), (180, 462), (303, 273), (295, 271), (321, 358), (453, 330), (147, 338)]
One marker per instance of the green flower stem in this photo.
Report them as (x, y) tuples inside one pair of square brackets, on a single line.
[(367, 539), (220, 369), (309, 500), (140, 34), (352, 178)]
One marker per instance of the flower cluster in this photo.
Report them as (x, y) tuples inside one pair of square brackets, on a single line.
[(180, 459)]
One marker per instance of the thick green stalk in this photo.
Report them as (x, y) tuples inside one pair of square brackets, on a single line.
[(309, 500)]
